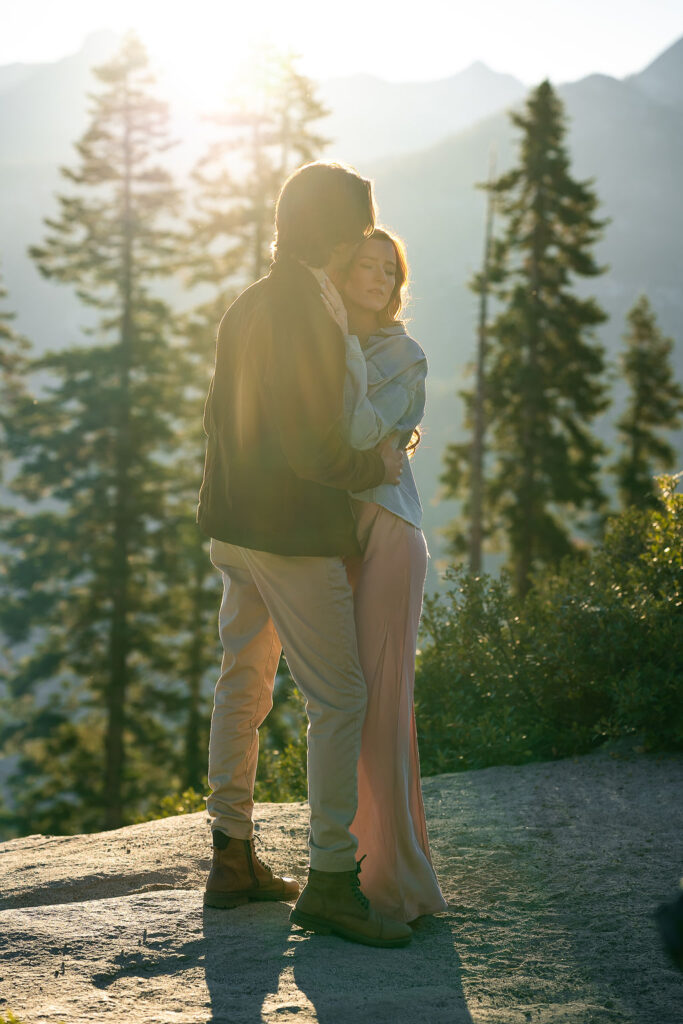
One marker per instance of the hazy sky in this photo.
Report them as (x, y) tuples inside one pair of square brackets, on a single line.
[(199, 41)]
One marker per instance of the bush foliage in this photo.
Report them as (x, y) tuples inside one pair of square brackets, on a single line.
[(281, 775), (594, 652)]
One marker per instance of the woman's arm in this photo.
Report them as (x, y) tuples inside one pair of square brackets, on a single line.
[(366, 426), (393, 401)]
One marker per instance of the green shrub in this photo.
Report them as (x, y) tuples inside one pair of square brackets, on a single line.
[(594, 652), (281, 775), (11, 1019), (187, 802)]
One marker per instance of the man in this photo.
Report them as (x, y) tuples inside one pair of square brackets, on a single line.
[(274, 500)]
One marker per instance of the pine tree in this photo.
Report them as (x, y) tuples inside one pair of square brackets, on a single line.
[(14, 355), (260, 140), (655, 405), (544, 379), (227, 248), (96, 462)]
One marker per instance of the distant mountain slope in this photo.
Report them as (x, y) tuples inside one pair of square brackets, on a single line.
[(14, 74), (45, 109), (371, 118), (662, 80)]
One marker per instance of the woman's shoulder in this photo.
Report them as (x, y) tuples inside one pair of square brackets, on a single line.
[(392, 343)]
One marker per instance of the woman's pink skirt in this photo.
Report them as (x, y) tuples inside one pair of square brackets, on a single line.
[(397, 875)]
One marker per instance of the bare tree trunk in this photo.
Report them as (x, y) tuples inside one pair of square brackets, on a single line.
[(477, 511), (118, 678), (528, 502)]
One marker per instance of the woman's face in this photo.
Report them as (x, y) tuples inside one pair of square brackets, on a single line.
[(372, 275)]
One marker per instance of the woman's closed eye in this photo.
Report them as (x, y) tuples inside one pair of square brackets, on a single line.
[(389, 270)]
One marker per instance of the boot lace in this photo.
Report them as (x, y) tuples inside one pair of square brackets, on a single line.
[(257, 839), (355, 885)]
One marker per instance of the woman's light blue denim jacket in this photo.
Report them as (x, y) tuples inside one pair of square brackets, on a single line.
[(384, 393)]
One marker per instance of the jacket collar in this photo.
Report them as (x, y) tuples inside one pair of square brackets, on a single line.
[(286, 268)]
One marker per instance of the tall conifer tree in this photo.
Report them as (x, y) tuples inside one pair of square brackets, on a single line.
[(654, 407), (544, 374), (14, 357), (96, 455), (260, 139), (14, 352)]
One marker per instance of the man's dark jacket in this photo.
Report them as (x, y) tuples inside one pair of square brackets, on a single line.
[(278, 466)]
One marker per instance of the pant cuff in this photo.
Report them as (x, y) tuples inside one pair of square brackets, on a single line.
[(322, 861), (235, 830)]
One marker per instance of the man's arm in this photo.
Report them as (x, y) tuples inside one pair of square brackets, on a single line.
[(306, 386)]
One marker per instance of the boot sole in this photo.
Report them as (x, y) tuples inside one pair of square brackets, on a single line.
[(228, 901), (323, 927)]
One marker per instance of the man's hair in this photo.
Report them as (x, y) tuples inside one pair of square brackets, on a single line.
[(319, 206)]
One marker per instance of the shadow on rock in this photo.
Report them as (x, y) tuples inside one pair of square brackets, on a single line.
[(244, 956), (346, 982), (155, 960)]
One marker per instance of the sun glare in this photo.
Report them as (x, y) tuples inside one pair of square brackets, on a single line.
[(209, 55), (201, 64)]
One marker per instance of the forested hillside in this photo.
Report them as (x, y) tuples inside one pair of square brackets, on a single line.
[(625, 134)]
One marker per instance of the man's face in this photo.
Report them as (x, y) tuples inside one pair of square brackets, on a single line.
[(340, 260)]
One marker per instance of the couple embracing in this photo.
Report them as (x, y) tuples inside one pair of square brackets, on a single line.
[(314, 519)]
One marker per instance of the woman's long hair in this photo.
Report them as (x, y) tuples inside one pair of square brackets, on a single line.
[(391, 314)]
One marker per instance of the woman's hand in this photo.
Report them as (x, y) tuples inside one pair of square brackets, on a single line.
[(334, 304), (393, 461)]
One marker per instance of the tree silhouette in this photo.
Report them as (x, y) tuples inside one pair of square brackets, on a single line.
[(655, 405)]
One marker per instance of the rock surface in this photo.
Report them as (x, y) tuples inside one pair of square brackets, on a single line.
[(551, 871)]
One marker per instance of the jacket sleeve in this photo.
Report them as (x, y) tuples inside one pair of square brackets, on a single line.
[(367, 422), (306, 376), (206, 420), (389, 405)]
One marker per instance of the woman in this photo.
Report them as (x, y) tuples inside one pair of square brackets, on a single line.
[(384, 397)]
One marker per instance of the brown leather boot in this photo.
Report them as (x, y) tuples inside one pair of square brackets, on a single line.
[(237, 875), (332, 904)]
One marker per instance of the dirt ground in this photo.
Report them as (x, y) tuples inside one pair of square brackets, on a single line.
[(551, 872)]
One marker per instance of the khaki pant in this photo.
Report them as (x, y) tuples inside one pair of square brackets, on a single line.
[(306, 604)]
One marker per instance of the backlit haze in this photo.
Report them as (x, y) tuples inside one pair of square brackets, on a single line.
[(199, 47)]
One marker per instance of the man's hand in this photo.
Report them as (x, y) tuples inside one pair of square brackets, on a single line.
[(334, 304), (393, 462)]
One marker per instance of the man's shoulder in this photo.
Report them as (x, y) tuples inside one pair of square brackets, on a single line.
[(253, 296), (249, 311), (288, 283)]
